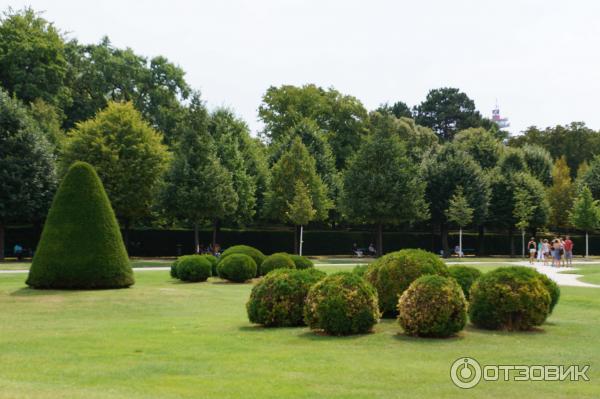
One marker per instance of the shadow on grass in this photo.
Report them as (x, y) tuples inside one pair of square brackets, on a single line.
[(31, 292), (534, 331)]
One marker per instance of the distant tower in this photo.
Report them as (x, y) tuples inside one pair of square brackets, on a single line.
[(500, 121)]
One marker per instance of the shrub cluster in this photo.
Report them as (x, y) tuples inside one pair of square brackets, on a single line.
[(432, 306), (341, 304), (465, 276), (278, 299), (509, 298), (360, 270), (193, 268), (553, 290), (279, 260), (237, 268), (252, 252), (302, 262), (393, 273)]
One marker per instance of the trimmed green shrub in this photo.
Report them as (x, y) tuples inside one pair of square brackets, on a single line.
[(193, 268), (252, 252), (341, 304), (553, 290), (509, 298), (279, 260), (174, 269), (237, 268), (393, 273), (360, 270), (465, 276), (81, 246), (278, 299), (213, 260), (302, 262), (432, 306)]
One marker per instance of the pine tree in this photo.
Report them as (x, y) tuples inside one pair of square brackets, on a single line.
[(81, 246), (585, 214)]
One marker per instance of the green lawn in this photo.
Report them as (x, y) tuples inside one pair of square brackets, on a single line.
[(164, 339), (590, 273)]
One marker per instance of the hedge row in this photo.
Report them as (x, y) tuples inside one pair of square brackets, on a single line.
[(331, 242)]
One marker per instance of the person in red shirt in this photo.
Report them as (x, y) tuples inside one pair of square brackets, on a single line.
[(568, 247)]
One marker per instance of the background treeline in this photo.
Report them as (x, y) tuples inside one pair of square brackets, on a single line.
[(322, 160)]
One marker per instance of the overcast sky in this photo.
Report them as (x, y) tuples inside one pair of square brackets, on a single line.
[(539, 59)]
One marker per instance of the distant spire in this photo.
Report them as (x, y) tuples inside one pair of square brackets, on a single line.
[(500, 121)]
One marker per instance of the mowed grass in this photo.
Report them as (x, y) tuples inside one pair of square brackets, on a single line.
[(589, 273), (165, 339)]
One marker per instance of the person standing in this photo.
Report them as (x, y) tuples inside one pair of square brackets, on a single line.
[(531, 246), (556, 252), (540, 250), (546, 251), (568, 247)]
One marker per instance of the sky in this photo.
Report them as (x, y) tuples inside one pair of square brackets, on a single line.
[(540, 60)]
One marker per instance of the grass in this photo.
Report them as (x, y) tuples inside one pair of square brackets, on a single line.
[(166, 339), (590, 273)]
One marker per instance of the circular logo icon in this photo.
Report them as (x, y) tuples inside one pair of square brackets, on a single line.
[(465, 372)]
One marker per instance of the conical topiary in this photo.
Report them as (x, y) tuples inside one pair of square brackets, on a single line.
[(81, 246)]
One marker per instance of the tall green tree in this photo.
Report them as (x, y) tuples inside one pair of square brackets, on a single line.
[(522, 212), (560, 194), (460, 213), (128, 155), (32, 57), (591, 177), (399, 109), (198, 188), (382, 185), (482, 145), (342, 118), (443, 171), (539, 163), (100, 73), (295, 165), (301, 210), (585, 214), (447, 111), (27, 167)]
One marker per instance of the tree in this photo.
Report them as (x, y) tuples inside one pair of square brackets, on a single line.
[(301, 210), (399, 109), (81, 245), (32, 57), (460, 213), (585, 214), (128, 155), (512, 160), (443, 171), (591, 177), (224, 130), (447, 111), (295, 165), (539, 163), (48, 117), (560, 194), (481, 145), (100, 73), (522, 212), (382, 185), (27, 167), (342, 118)]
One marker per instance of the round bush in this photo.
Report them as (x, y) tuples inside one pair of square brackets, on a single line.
[(341, 304), (302, 262), (432, 306), (174, 269), (278, 260), (237, 268), (509, 298), (213, 263), (246, 250), (193, 268), (393, 273), (360, 270), (553, 290), (81, 245), (278, 299), (465, 276)]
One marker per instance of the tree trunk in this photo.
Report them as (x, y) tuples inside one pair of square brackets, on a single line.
[(379, 239), (216, 227), (445, 246), (301, 232), (196, 239), (295, 239), (460, 254), (586, 244), (481, 240), (1, 241), (512, 242)]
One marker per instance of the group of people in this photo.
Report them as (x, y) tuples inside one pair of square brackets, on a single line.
[(209, 250), (360, 252), (557, 251)]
